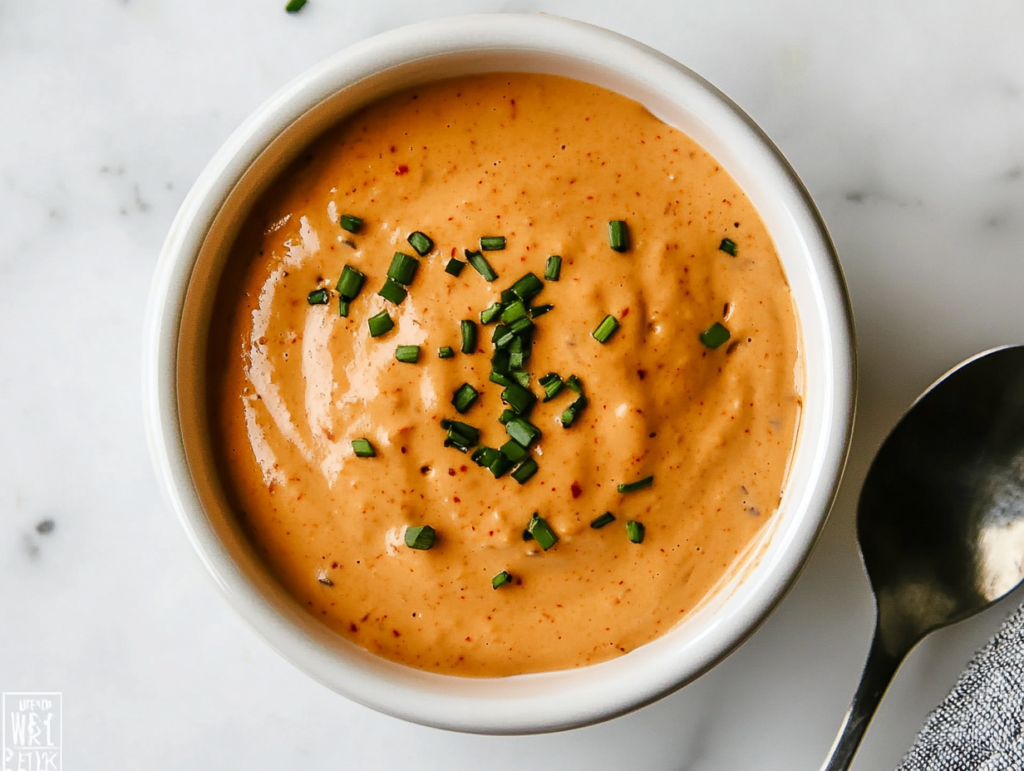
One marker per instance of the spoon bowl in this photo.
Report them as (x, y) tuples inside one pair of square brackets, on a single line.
[(941, 518)]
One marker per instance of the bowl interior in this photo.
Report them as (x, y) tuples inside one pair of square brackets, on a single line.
[(183, 301)]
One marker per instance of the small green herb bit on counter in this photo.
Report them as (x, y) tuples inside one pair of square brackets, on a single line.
[(605, 329), (454, 267), (635, 531), (728, 246), (392, 291), (492, 243), (318, 297), (714, 336), (445, 352), (618, 235), (408, 354), (605, 519), (380, 324), (464, 397), (641, 484), (481, 265), (542, 532), (421, 537), (468, 329), (420, 242), (504, 577), (348, 222), (553, 268), (403, 268), (350, 282), (363, 449)]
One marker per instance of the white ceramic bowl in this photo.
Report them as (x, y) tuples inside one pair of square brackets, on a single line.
[(175, 349)]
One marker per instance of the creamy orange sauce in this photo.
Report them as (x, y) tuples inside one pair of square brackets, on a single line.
[(546, 162)]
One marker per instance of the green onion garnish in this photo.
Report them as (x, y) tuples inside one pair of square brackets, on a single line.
[(505, 417), (343, 306), (514, 451), (523, 378), (482, 266), (464, 398), (348, 222), (540, 310), (618, 236), (420, 242), (408, 354), (421, 537), (553, 269), (492, 243), (491, 313), (552, 385), (507, 296), (484, 456), (501, 361), (635, 531), (363, 449), (504, 335), (525, 471), (523, 431), (542, 532), (500, 466), (445, 352), (641, 484), (392, 291), (528, 287), (454, 267), (350, 283), (605, 519), (468, 336), (714, 335), (461, 436), (380, 324), (318, 297), (504, 577), (573, 411), (513, 312), (574, 384), (728, 246), (403, 268), (500, 379), (518, 398), (605, 329)]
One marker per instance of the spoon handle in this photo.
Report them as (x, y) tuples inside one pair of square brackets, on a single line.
[(878, 673)]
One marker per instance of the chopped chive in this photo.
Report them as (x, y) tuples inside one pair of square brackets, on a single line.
[(542, 532), (421, 537), (573, 411), (350, 282), (454, 267), (501, 362), (519, 398), (513, 312), (445, 352), (618, 235), (605, 519), (635, 531), (461, 436), (525, 471), (507, 296), (380, 324), (420, 242), (540, 310), (490, 313), (468, 336), (504, 577), (728, 246), (464, 398), (499, 332), (343, 305), (516, 358), (392, 291), (484, 456), (605, 329), (523, 431), (403, 268), (492, 243), (363, 449), (574, 384), (519, 326), (523, 378), (514, 451), (294, 6), (552, 385), (528, 287), (481, 265), (641, 484), (500, 465), (500, 379), (505, 417), (553, 268), (408, 354), (348, 222), (318, 297), (714, 335)]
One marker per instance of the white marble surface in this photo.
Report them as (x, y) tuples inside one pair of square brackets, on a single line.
[(904, 119)]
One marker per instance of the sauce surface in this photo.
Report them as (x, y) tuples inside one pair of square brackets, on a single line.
[(546, 162)]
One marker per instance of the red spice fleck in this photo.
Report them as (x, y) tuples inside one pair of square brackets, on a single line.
[(458, 500), (577, 491), (462, 468), (641, 373), (353, 627), (451, 472), (396, 633), (625, 313), (403, 169), (453, 251)]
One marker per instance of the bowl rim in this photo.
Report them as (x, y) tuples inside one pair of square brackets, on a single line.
[(526, 707)]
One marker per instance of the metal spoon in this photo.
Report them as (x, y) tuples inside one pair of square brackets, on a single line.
[(941, 519)]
